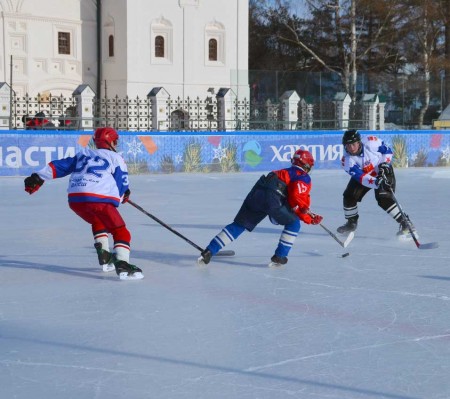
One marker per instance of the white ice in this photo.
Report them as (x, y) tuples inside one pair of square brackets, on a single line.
[(375, 324)]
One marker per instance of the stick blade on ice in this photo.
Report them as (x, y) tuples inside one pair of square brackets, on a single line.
[(429, 245), (349, 239), (226, 252)]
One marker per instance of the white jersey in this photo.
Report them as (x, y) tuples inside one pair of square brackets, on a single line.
[(96, 175), (364, 167)]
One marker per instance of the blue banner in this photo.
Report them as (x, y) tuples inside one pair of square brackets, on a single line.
[(22, 153)]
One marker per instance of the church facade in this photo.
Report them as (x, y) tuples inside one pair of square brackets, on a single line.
[(191, 48)]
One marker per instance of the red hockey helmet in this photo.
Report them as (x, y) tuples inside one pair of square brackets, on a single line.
[(303, 159), (106, 137)]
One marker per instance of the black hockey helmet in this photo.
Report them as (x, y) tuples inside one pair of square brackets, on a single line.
[(351, 136)]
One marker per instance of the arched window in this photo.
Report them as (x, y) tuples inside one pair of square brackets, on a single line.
[(111, 45), (159, 46), (214, 44), (212, 50), (161, 42)]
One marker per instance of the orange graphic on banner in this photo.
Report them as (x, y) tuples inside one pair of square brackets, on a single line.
[(84, 140), (149, 144)]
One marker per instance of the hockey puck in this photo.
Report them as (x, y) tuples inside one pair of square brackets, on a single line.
[(345, 255)]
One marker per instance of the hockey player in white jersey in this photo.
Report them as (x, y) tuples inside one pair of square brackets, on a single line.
[(368, 161), (98, 183)]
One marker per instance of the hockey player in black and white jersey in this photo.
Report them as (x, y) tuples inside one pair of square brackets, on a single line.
[(368, 161)]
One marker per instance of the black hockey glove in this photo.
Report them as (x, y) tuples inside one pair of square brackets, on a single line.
[(33, 183), (126, 196), (384, 178)]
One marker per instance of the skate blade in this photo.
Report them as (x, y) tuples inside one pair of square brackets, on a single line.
[(201, 261), (134, 276), (275, 265), (407, 237), (109, 268), (225, 252)]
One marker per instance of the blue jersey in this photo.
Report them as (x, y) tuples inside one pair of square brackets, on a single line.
[(96, 175)]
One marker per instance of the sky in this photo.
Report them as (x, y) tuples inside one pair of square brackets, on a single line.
[(299, 7), (375, 324)]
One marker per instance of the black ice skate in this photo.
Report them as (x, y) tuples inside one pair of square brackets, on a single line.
[(205, 257), (126, 271), (105, 258), (348, 227), (277, 261), (404, 234)]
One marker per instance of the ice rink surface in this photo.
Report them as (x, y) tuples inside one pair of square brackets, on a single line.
[(375, 324)]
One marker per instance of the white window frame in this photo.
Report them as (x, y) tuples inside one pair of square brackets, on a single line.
[(215, 31), (161, 27), (64, 29)]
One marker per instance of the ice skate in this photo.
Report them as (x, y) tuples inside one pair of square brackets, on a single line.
[(205, 257), (277, 261), (404, 234), (126, 271), (105, 258), (348, 227)]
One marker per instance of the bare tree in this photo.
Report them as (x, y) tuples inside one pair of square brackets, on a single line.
[(446, 68), (336, 35), (423, 28)]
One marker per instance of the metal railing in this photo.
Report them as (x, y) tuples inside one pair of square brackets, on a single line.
[(194, 115)]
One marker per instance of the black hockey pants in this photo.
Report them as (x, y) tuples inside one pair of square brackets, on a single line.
[(355, 192)]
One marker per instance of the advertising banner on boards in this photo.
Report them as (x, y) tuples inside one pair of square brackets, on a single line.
[(22, 153)]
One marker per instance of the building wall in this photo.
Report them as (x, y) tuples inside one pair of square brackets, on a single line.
[(30, 35)]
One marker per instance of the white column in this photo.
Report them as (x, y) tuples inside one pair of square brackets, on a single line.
[(84, 99), (370, 107), (342, 102), (381, 115), (226, 109), (5, 106), (289, 103), (159, 98)]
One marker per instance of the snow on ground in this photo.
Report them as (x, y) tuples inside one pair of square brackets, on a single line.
[(375, 324)]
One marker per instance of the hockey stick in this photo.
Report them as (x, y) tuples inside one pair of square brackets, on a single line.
[(430, 245), (343, 244), (220, 253)]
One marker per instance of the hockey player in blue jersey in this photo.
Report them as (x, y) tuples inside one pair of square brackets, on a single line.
[(98, 183), (284, 196), (368, 162)]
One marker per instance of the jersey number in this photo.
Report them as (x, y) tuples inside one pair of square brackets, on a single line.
[(91, 165), (302, 188)]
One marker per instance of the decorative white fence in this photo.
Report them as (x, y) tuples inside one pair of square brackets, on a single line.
[(159, 112)]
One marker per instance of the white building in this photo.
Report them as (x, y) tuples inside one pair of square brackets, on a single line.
[(186, 46)]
